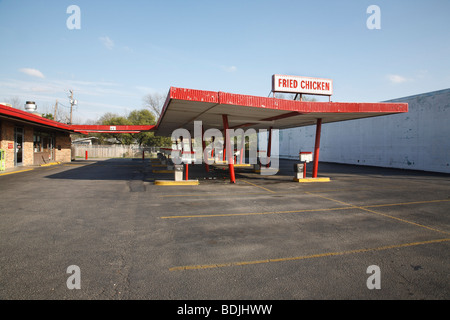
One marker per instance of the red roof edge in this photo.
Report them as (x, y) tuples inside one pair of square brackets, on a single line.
[(112, 128), (279, 104), (24, 115), (190, 95), (309, 106)]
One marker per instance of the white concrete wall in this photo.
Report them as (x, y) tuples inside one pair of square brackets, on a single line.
[(418, 140)]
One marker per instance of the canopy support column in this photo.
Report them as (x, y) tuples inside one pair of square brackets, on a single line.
[(269, 147), (230, 157), (203, 150), (317, 147)]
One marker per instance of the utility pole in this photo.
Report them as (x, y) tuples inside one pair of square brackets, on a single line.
[(72, 103), (56, 108)]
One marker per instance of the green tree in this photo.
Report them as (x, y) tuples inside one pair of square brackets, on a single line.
[(111, 119), (146, 117), (142, 117), (48, 116), (135, 117)]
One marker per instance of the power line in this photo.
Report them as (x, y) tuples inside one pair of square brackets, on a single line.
[(61, 105)]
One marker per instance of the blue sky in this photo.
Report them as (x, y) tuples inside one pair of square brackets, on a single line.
[(127, 49)]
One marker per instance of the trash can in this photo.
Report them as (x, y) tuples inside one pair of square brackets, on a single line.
[(178, 170), (299, 170), (2, 160)]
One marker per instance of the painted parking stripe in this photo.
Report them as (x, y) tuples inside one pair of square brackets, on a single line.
[(348, 207), (18, 171), (365, 208), (257, 186), (253, 213), (312, 256)]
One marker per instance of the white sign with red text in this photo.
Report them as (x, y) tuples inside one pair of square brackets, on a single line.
[(298, 84)]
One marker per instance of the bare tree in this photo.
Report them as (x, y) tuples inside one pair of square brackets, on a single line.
[(293, 96), (62, 116), (15, 102), (155, 102)]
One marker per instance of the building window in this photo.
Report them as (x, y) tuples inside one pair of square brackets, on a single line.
[(43, 142), (37, 143)]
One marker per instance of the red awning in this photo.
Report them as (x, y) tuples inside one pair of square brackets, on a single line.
[(27, 117), (85, 129), (184, 106)]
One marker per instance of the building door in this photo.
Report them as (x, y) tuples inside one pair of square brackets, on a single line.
[(18, 146)]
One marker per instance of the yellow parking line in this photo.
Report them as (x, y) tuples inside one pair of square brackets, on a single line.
[(406, 203), (258, 186), (283, 192), (253, 213), (346, 207), (312, 256), (12, 172), (389, 216), (344, 203), (210, 194), (406, 221)]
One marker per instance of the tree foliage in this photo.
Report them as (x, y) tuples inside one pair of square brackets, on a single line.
[(135, 117), (153, 103), (48, 116)]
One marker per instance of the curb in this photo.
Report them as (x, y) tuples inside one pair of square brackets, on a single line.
[(50, 164), (312, 180), (176, 183)]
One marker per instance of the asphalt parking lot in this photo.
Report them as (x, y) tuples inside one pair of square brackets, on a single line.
[(266, 237)]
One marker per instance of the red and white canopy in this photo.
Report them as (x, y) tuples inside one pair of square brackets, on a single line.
[(184, 106)]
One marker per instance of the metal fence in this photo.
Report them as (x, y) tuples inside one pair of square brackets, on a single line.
[(111, 151)]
